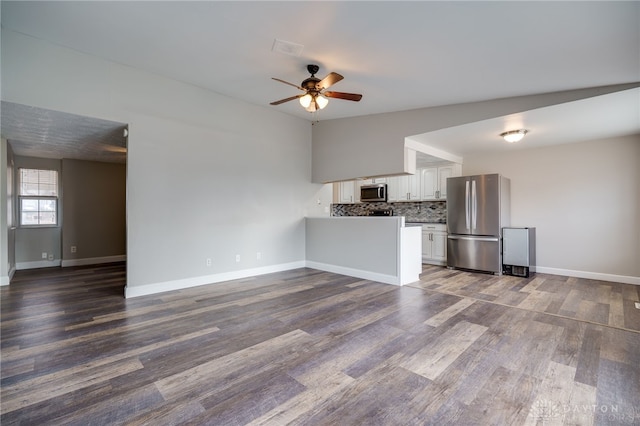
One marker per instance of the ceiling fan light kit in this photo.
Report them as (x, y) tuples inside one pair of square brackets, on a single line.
[(313, 103), (305, 101), (315, 96), (321, 101), (514, 135)]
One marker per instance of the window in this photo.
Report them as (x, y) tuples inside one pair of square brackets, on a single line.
[(38, 192)]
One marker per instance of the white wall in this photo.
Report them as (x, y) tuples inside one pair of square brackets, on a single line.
[(207, 176), (583, 199)]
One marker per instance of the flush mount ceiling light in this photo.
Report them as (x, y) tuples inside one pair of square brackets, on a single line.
[(514, 135)]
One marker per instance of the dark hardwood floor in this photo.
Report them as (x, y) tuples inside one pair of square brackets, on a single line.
[(307, 347)]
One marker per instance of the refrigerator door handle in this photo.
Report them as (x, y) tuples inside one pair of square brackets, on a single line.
[(474, 205), (467, 206), (459, 237)]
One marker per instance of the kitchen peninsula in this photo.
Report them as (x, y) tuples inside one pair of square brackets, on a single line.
[(383, 249)]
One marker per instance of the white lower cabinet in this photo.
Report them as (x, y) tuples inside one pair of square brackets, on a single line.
[(434, 244)]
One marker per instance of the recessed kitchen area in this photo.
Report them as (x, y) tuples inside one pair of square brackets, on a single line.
[(448, 219), (412, 206)]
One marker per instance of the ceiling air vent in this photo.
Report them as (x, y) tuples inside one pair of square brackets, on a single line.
[(286, 47)]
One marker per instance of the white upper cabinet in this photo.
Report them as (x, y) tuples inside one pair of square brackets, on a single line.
[(427, 184), (445, 172), (409, 186), (346, 192), (403, 188), (373, 181), (392, 189), (434, 181)]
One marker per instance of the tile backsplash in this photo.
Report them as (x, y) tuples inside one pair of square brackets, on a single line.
[(422, 211)]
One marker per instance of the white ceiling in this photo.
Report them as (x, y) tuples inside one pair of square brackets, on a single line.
[(399, 55), (607, 116)]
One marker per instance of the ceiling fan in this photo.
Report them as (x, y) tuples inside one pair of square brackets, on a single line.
[(315, 96)]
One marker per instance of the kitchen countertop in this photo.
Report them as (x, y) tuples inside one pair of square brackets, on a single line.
[(407, 222)]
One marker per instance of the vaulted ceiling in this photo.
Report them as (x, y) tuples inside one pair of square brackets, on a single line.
[(399, 55)]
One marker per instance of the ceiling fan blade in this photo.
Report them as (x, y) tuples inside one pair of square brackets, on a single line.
[(281, 101), (341, 95), (286, 82), (329, 81)]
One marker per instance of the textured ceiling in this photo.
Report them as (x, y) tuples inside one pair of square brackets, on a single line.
[(37, 132)]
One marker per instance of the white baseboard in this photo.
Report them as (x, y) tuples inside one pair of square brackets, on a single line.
[(590, 275), (6, 279), (66, 263), (38, 264), (358, 273), (143, 290), (93, 260)]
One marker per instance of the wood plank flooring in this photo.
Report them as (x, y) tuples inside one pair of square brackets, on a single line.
[(306, 347)]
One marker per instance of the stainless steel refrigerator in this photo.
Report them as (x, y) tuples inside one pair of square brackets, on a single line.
[(478, 207)]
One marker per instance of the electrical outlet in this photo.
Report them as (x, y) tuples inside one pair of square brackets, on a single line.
[(50, 257), (208, 262), (74, 249), (44, 254), (258, 255), (237, 258), (637, 305)]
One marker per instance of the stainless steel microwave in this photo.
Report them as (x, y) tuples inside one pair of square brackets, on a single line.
[(372, 193)]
